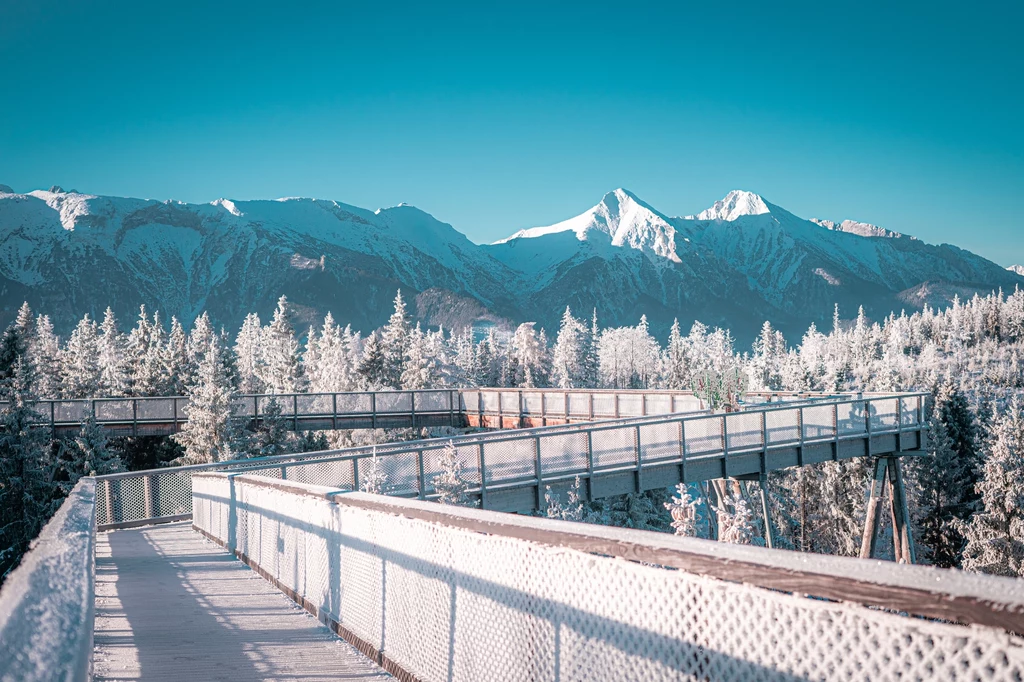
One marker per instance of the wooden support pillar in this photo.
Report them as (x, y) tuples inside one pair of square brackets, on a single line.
[(903, 542), (147, 485), (769, 532), (870, 536)]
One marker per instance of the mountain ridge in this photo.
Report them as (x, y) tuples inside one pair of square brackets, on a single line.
[(739, 262)]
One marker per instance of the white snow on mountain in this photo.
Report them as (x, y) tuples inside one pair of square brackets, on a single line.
[(623, 218), (1017, 269), (858, 228), (736, 204)]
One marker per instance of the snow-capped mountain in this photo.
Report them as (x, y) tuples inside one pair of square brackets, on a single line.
[(1017, 269), (743, 259), (739, 262), (70, 254)]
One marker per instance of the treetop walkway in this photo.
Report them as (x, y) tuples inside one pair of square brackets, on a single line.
[(429, 592)]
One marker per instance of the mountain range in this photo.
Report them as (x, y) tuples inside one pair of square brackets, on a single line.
[(740, 262)]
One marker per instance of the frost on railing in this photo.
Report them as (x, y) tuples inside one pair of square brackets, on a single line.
[(450, 594), (46, 606)]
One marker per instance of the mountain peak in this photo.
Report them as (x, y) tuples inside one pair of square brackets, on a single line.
[(736, 204), (1017, 269)]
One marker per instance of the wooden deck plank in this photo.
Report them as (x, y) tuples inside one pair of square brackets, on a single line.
[(172, 606)]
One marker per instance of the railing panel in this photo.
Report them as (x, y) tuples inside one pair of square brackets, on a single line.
[(152, 409), (394, 402), (884, 414), (660, 442), (631, 405), (490, 401), (744, 430), (510, 460), (604, 405), (533, 403), (818, 422), (554, 403), (852, 418), (314, 405), (659, 403), (70, 410), (432, 401), (114, 410), (579, 404), (704, 435), (354, 403), (564, 453), (614, 446), (782, 426)]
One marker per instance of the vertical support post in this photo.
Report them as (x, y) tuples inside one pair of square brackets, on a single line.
[(643, 404), (870, 537), (540, 485), (769, 531), (451, 408), (355, 474), (255, 409), (334, 411), (725, 448), (590, 400), (480, 408), (543, 409), (483, 475), (867, 427), (93, 402), (800, 444), (412, 408), (373, 412), (108, 495), (295, 412), (903, 542), (421, 478), (53, 420), (899, 424), (284, 473), (616, 404), (590, 465), (835, 431), (682, 451), (764, 442), (147, 484), (519, 392), (637, 480)]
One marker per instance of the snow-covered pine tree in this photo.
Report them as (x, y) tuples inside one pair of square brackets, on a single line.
[(28, 494), (941, 486), (676, 373), (575, 508), (416, 364), (178, 366), (250, 356), (395, 340), (568, 356), (44, 354), (209, 431), (373, 363), (683, 508), (449, 484), (736, 521), (80, 365), (89, 454), (271, 436), (281, 351), (375, 478), (114, 374), (995, 534)]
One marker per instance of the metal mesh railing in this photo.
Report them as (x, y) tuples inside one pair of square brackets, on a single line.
[(442, 593)]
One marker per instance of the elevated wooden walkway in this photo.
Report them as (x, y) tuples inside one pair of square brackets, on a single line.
[(173, 606)]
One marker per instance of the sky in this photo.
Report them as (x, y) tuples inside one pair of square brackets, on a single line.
[(504, 115)]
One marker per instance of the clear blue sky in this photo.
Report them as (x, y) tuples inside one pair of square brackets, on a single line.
[(498, 116)]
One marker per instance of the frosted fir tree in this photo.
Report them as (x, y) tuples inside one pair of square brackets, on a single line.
[(177, 363), (395, 340), (269, 437), (374, 477), (373, 363), (591, 362), (450, 487), (28, 494), (80, 365), (249, 354), (45, 359), (199, 339), (766, 363), (416, 365), (941, 486), (89, 454), (334, 370), (683, 509), (736, 523), (568, 357), (209, 431), (676, 371), (281, 352), (575, 508), (995, 534), (114, 374)]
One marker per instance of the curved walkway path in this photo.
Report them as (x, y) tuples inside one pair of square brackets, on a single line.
[(173, 606)]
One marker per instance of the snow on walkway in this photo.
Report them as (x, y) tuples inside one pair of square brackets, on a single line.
[(173, 606)]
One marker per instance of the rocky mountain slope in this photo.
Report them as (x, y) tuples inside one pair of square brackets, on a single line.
[(736, 264)]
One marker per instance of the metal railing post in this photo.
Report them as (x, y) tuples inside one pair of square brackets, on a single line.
[(835, 431), (682, 451), (147, 490), (412, 408), (637, 480), (295, 412), (421, 477), (540, 482), (373, 409), (483, 476), (725, 447), (800, 443), (334, 411), (590, 465)]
